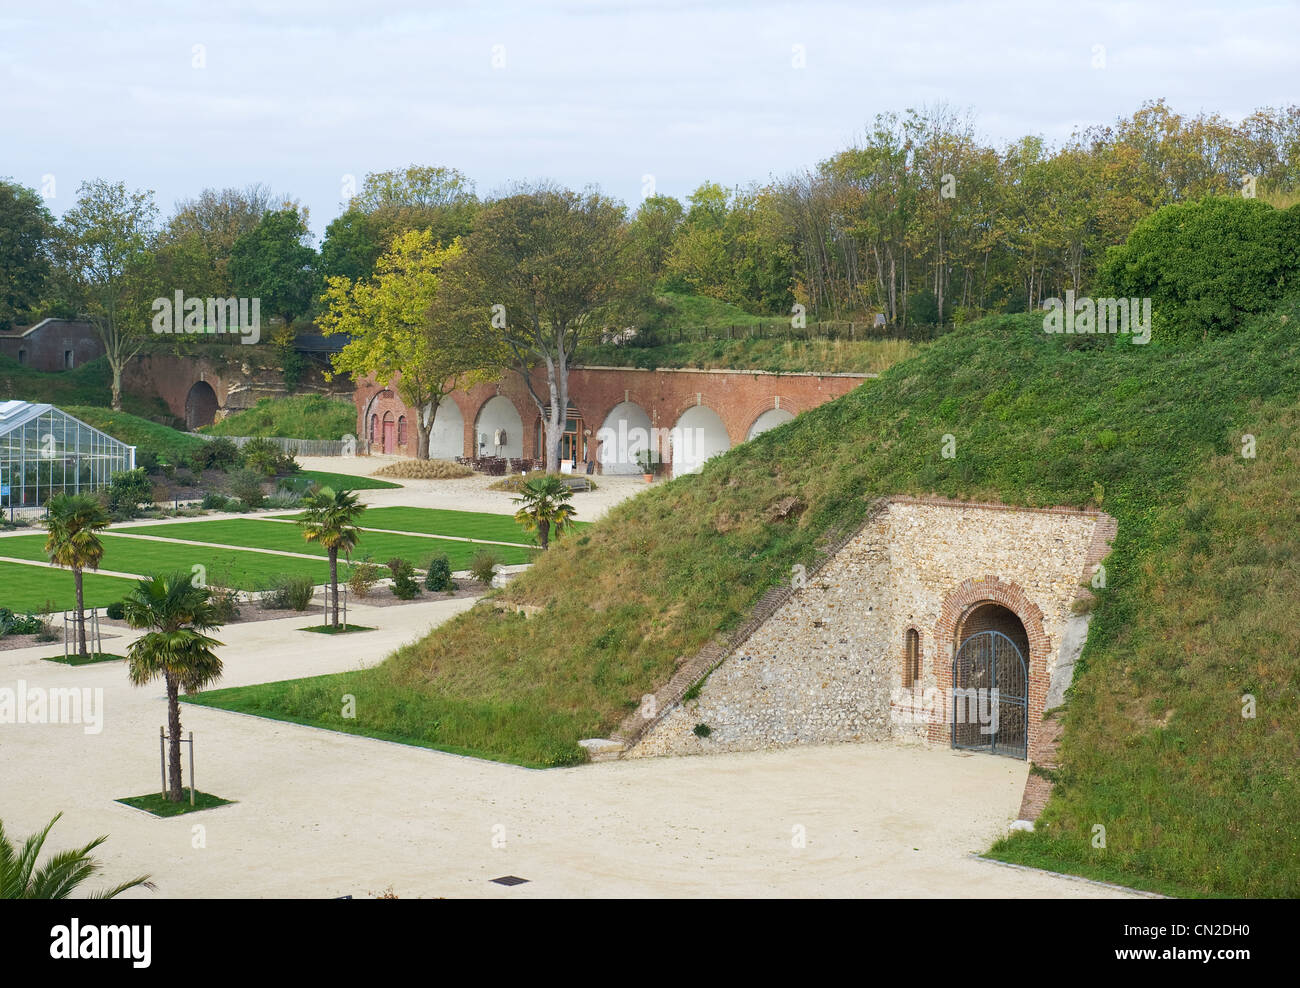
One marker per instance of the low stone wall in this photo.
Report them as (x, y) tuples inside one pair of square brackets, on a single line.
[(827, 666)]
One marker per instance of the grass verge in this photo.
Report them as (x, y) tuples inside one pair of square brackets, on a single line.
[(160, 805)]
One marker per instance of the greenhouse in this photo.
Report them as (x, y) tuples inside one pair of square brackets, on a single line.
[(44, 451)]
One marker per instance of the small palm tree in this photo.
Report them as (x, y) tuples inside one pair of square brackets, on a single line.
[(175, 648), (63, 872), (331, 519), (545, 507), (74, 523)]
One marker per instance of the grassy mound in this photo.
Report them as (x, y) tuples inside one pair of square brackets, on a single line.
[(89, 384), (169, 444), (775, 356), (1194, 616), (294, 417)]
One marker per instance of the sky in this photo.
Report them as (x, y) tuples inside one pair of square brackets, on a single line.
[(637, 98)]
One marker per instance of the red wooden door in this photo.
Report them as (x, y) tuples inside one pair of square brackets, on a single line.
[(390, 436)]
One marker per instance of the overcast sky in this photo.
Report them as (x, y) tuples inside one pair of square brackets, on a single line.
[(175, 96)]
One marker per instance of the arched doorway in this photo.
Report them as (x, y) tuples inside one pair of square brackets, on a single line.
[(498, 429), (769, 420), (698, 436), (624, 436), (390, 433), (447, 436), (200, 405), (990, 681)]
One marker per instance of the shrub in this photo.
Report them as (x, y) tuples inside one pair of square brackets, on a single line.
[(214, 501), (18, 624), (425, 470), (246, 485), (115, 611), (483, 565), (438, 575), (286, 592), (405, 586), (262, 456), (46, 632), (702, 730), (219, 454), (128, 490), (147, 460), (363, 577)]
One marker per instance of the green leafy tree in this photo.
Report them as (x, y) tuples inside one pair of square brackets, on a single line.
[(399, 330), (274, 262), (175, 648), (330, 519), (543, 272), (74, 525), (545, 508), (62, 874), (107, 266), (26, 227)]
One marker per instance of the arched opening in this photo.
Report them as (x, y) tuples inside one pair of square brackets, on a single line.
[(200, 405), (990, 680), (447, 434), (374, 429), (698, 436), (401, 430), (498, 429), (390, 433), (769, 420), (625, 434)]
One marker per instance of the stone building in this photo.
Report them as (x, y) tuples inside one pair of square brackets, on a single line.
[(52, 344)]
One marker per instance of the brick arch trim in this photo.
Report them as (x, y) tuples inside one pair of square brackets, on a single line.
[(753, 412), (958, 603)]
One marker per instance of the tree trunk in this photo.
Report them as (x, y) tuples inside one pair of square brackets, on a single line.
[(81, 612), (423, 427), (334, 585), (174, 739), (544, 533), (117, 384)]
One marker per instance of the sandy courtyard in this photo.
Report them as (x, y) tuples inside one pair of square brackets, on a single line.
[(322, 814)]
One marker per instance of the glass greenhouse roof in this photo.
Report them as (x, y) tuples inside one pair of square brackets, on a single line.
[(44, 451)]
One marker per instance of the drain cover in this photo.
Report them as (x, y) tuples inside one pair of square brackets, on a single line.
[(510, 880)]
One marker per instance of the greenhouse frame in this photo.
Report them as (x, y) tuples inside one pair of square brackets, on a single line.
[(44, 452)]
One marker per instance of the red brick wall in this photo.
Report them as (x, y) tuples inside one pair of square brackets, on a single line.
[(738, 397), (44, 348)]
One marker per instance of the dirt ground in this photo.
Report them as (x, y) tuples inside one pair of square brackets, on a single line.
[(320, 814)]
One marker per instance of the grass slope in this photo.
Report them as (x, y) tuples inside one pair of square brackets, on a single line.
[(89, 384), (293, 417), (777, 356), (168, 443), (1198, 611)]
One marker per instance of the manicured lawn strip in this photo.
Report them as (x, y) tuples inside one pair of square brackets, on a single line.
[(347, 481), (380, 546), (520, 733), (464, 524), (160, 805), (244, 570), (27, 588), (75, 659)]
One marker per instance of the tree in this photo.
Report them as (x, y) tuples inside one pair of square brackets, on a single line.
[(26, 227), (62, 874), (274, 262), (196, 245), (399, 329), (105, 256), (73, 541), (540, 273), (545, 508), (331, 520), (177, 613)]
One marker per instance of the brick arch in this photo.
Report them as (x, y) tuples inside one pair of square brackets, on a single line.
[(607, 406), (754, 410), (960, 602)]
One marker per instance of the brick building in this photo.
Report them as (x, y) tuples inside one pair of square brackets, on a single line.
[(685, 416), (52, 344)]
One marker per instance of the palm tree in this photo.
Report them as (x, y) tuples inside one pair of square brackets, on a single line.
[(331, 519), (63, 872), (546, 506), (75, 520), (177, 612)]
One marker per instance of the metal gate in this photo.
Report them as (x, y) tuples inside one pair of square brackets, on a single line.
[(990, 689)]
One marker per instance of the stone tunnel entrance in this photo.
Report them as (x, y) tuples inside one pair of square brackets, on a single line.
[(990, 678), (200, 405)]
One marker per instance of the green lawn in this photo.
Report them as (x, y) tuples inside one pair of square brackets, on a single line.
[(345, 481), (160, 805), (27, 588), (245, 570), (439, 521), (261, 533)]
